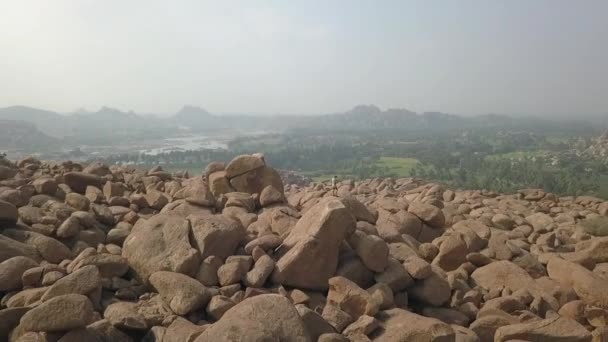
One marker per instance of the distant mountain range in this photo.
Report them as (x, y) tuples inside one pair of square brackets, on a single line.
[(112, 126)]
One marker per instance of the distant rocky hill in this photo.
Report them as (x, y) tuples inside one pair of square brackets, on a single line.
[(50, 123), (369, 117), (15, 134), (105, 126), (112, 253), (111, 126), (190, 115)]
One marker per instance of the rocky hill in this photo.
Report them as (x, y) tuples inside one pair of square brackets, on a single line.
[(15, 134), (98, 253), (112, 125)]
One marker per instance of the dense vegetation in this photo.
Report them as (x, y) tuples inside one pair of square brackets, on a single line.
[(491, 158)]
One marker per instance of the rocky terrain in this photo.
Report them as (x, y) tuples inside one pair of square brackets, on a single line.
[(98, 253)]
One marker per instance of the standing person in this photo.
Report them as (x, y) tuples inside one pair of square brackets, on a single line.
[(334, 186)]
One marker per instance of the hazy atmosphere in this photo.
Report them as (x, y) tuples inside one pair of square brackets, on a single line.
[(542, 57), (304, 170)]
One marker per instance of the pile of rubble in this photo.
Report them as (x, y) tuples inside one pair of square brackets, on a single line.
[(102, 253)]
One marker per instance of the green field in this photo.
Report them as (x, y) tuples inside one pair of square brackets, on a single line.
[(383, 167), (400, 167)]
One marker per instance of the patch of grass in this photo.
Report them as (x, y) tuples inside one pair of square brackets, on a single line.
[(597, 226), (382, 167), (400, 167)]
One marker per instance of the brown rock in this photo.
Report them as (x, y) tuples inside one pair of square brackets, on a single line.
[(46, 186), (261, 271), (69, 228), (207, 273), (108, 332), (156, 199), (7, 172), (234, 270), (382, 294), (433, 290), (8, 214), (182, 293), (111, 189), (428, 213), (402, 325), (502, 274), (26, 297), (97, 168), (539, 221), (574, 310), (417, 267), (350, 298), (315, 324), (256, 318), (371, 249), (125, 315), (218, 305), (109, 265), (503, 221), (597, 317), (243, 164), (270, 196), (359, 210), (395, 276), (85, 281), (266, 242), (485, 327), (552, 329), (93, 194), (600, 334), (336, 317), (11, 271), (216, 235), (67, 312), (161, 244), (219, 184), (446, 315), (78, 181), (255, 181), (313, 245), (333, 337), (49, 248), (364, 325), (589, 287), (9, 319), (196, 191), (452, 253)]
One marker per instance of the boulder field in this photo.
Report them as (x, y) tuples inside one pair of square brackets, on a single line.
[(113, 253)]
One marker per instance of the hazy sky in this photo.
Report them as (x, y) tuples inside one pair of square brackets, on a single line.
[(467, 57)]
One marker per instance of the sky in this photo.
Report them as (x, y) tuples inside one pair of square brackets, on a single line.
[(540, 57)]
